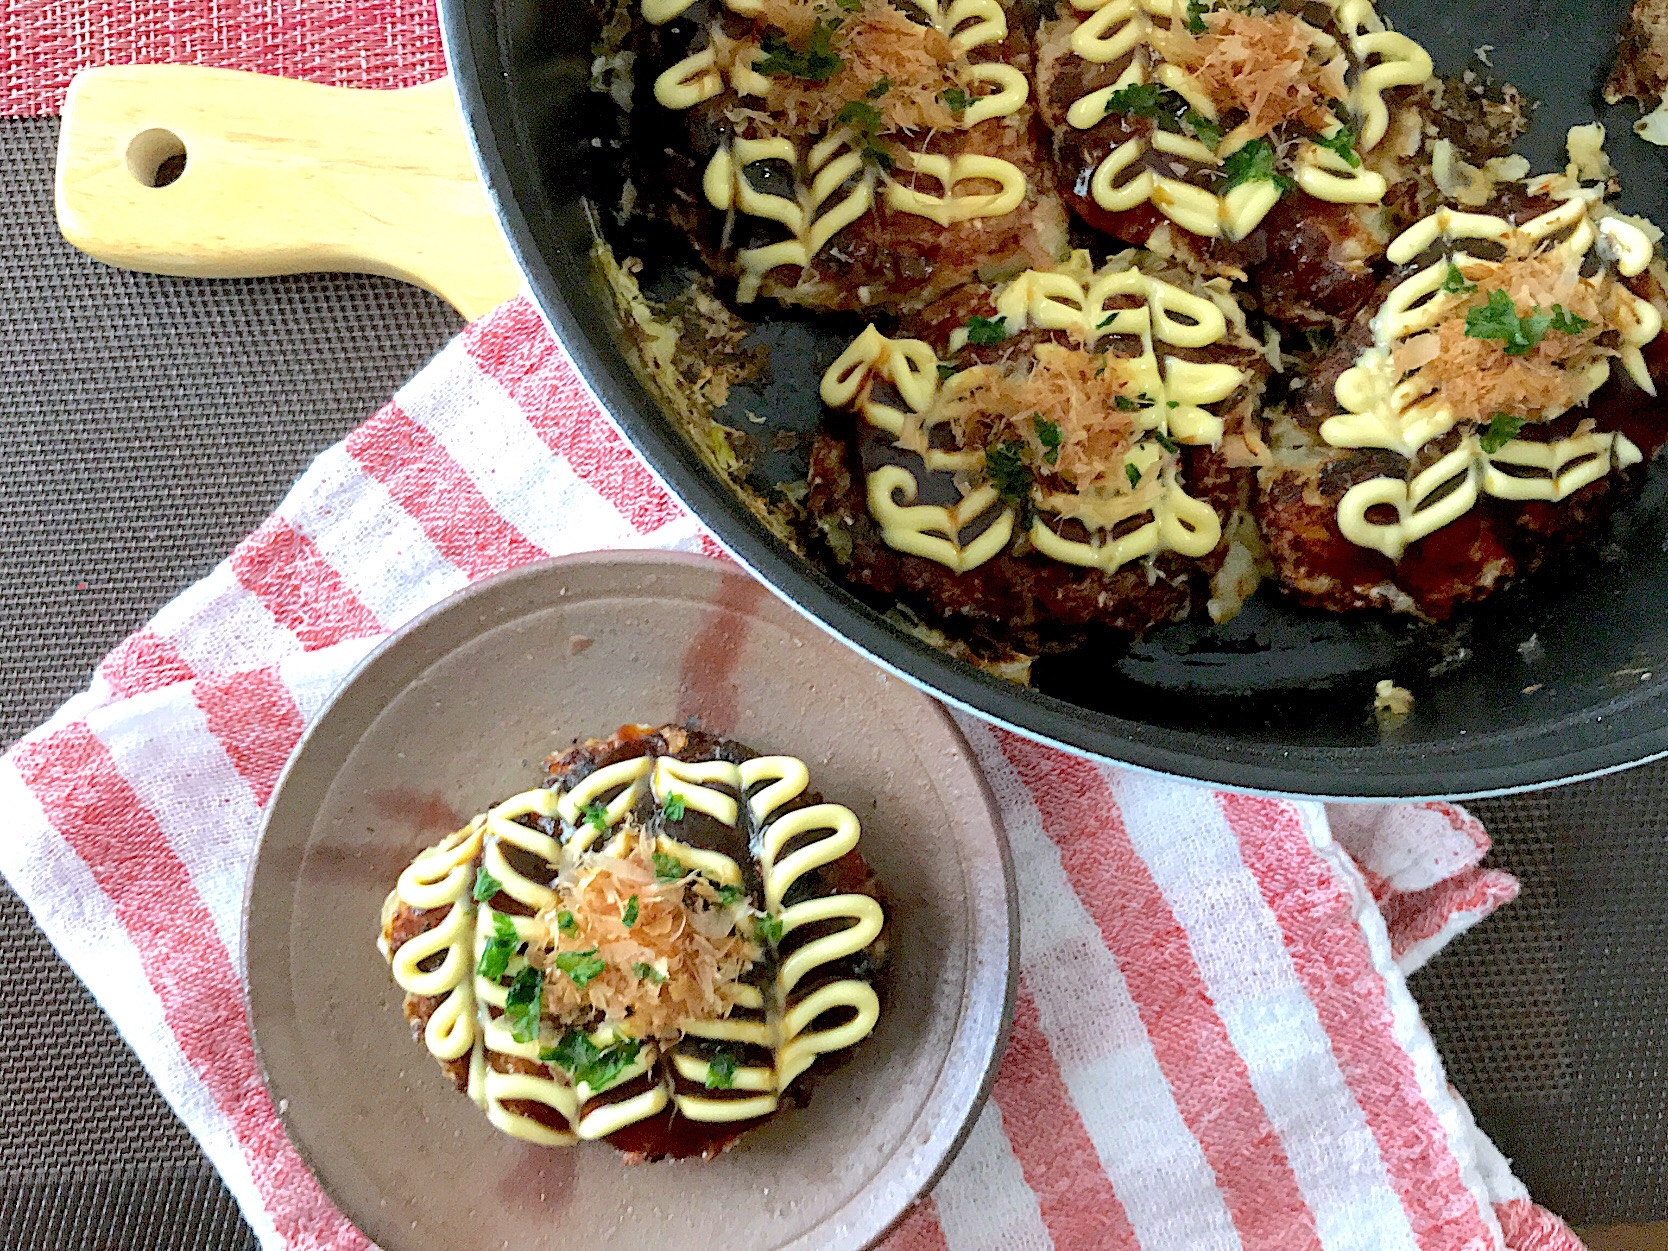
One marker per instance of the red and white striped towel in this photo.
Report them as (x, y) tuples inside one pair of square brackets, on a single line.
[(1214, 1047), (345, 43)]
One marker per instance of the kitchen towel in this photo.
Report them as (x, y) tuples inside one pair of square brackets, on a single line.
[(1214, 1045)]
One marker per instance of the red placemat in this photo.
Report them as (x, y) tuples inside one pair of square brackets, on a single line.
[(347, 43)]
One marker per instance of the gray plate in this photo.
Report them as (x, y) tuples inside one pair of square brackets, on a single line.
[(456, 711)]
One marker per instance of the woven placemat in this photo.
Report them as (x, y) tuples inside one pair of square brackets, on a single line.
[(147, 423)]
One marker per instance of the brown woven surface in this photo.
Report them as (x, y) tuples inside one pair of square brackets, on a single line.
[(147, 423)]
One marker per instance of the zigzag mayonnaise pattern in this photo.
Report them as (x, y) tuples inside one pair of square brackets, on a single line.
[(833, 185), (1115, 28), (593, 818), (1382, 408), (1090, 308)]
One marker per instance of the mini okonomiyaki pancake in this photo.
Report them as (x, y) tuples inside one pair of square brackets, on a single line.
[(843, 154), (656, 948), (1039, 456), (1488, 409), (1254, 139)]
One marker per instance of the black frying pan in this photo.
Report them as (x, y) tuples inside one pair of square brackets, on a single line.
[(1556, 680)]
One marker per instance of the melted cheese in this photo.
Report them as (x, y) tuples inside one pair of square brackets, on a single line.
[(1092, 308), (1423, 375), (467, 1022), (1229, 67)]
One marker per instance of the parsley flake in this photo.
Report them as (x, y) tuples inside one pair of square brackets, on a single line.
[(1499, 319), (1502, 428), (649, 973), (1168, 109), (767, 929), (1205, 130), (860, 114), (572, 1051), (495, 956), (945, 371), (1454, 282), (486, 886), (728, 894), (881, 86), (1048, 434), (1007, 473), (1566, 322), (596, 816), (1137, 100), (1125, 404), (850, 6), (815, 62), (1196, 10), (667, 868), (565, 922), (1133, 474), (1342, 143), (1253, 163), (1172, 403), (580, 966), (721, 1071), (595, 1066), (1164, 441), (983, 331), (865, 122), (523, 1003), (628, 916), (673, 806), (956, 100)]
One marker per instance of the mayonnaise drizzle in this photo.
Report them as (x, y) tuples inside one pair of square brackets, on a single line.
[(757, 794), (1382, 59), (1090, 308), (833, 186), (1382, 409)]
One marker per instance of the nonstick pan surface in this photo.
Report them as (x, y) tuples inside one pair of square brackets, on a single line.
[(1562, 678)]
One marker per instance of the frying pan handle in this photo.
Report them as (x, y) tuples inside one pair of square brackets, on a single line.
[(211, 173)]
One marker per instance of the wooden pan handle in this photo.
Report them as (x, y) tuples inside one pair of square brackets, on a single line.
[(210, 173)]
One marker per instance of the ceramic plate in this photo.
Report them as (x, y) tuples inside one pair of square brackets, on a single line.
[(455, 712)]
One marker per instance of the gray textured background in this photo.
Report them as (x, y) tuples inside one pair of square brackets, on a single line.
[(147, 423)]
